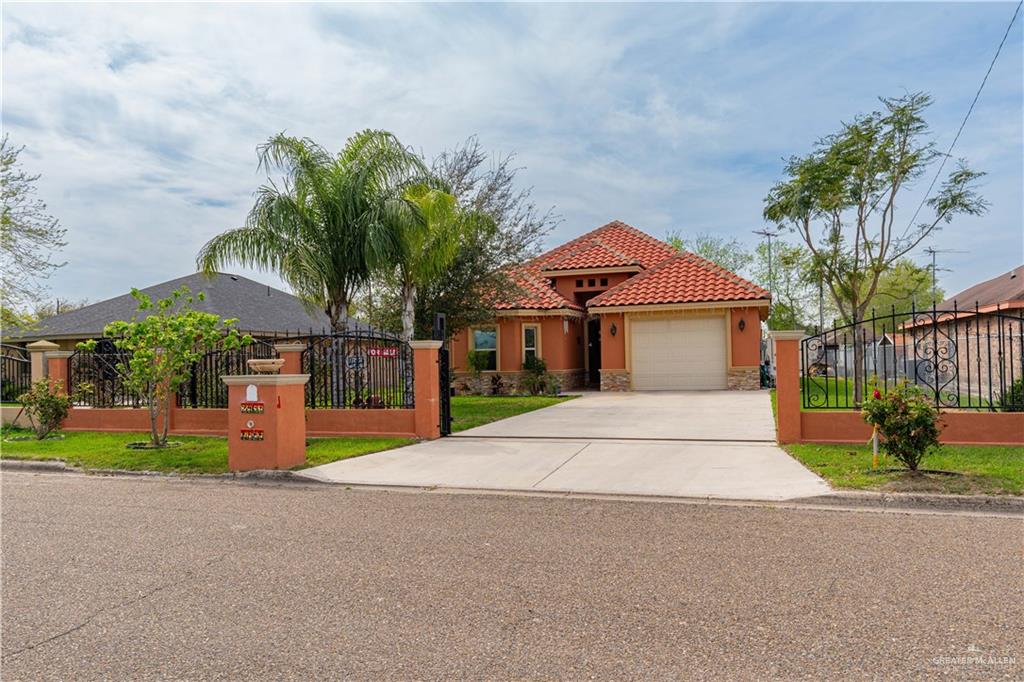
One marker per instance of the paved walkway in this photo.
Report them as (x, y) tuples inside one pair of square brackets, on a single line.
[(710, 444)]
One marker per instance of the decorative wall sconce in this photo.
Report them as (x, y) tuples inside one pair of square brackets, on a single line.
[(613, 329), (743, 324)]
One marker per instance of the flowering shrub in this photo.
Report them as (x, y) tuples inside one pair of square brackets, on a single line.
[(46, 406), (906, 422)]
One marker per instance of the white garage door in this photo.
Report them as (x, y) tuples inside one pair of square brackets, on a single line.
[(678, 353)]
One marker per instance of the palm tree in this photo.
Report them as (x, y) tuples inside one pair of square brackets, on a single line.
[(321, 229), (426, 230)]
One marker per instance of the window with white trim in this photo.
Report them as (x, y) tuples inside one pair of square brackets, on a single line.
[(531, 341), (484, 341)]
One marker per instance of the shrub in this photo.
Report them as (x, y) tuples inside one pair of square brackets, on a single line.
[(1012, 399), (477, 361), (906, 422), (534, 381), (46, 406)]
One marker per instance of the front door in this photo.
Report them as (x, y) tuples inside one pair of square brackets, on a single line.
[(594, 352)]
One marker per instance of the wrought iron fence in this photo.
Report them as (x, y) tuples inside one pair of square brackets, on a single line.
[(15, 373), (962, 358), (95, 377), (204, 387), (358, 369)]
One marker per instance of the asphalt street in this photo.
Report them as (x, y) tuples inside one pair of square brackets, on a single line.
[(160, 578)]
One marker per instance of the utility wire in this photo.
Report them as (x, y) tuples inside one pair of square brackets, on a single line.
[(969, 111)]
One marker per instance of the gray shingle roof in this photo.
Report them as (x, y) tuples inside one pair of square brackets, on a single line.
[(258, 307)]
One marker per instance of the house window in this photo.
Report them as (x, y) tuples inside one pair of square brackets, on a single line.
[(485, 341), (604, 281), (579, 282), (590, 282), (531, 341)]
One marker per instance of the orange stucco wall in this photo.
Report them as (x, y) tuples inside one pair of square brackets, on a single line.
[(566, 286), (213, 422), (114, 419), (613, 348), (746, 344), (561, 343), (958, 428), (361, 422)]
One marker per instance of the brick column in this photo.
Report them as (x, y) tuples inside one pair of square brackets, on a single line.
[(787, 383), (427, 378), (57, 367), (37, 353), (291, 353)]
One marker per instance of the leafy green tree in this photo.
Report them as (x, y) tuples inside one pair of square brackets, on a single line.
[(842, 200), (793, 283), (905, 285), (29, 236), (728, 253), (499, 225), (164, 339), (323, 227)]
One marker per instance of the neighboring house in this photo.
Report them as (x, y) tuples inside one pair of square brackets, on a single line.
[(620, 310), (261, 311), (984, 324)]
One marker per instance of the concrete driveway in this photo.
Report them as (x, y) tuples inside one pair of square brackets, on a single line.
[(664, 415), (703, 444)]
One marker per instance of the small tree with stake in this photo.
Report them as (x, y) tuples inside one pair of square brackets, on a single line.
[(164, 339), (906, 421)]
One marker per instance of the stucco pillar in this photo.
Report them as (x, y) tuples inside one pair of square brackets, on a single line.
[(427, 379), (787, 383), (291, 353), (57, 368), (266, 421), (37, 354)]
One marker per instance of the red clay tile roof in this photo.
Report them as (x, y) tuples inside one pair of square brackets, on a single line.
[(625, 240), (685, 278), (594, 254), (535, 293)]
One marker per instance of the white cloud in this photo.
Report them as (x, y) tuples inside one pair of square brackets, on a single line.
[(143, 119)]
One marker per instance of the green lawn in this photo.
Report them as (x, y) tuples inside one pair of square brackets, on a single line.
[(981, 469), (840, 393), (474, 410), (196, 455)]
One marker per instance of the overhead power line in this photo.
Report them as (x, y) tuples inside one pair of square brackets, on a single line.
[(970, 110)]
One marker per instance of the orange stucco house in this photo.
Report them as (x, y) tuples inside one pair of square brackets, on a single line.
[(620, 310)]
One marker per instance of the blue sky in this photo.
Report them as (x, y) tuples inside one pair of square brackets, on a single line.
[(143, 119)]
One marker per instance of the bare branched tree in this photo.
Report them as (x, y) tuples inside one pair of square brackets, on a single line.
[(29, 235)]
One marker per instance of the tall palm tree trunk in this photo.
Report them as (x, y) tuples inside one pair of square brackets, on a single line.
[(408, 310)]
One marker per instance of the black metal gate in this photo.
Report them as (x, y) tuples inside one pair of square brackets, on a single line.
[(444, 373)]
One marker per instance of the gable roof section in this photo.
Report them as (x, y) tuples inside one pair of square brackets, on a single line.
[(534, 293), (1004, 289), (258, 307), (625, 240), (684, 278)]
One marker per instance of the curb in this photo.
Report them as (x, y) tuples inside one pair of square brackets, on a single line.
[(986, 504), (59, 466), (1006, 505)]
